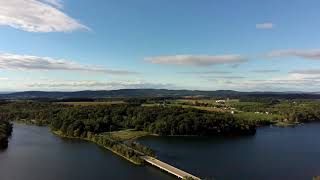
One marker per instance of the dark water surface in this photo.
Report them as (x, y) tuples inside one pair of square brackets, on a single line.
[(273, 153), (35, 154)]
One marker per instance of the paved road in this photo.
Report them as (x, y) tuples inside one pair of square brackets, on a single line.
[(164, 166)]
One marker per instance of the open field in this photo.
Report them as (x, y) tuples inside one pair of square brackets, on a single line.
[(256, 112), (211, 109), (210, 102), (260, 118), (127, 134)]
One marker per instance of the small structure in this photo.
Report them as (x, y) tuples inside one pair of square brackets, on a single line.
[(221, 101)]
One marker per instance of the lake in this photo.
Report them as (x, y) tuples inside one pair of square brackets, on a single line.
[(273, 153), (36, 154)]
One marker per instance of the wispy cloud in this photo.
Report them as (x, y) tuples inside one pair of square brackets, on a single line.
[(223, 77), (3, 78), (26, 62), (267, 25), (262, 71), (97, 85), (196, 60), (37, 16), (290, 82), (313, 54), (205, 72), (306, 71)]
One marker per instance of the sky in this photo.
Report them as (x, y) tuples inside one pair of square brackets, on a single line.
[(247, 45)]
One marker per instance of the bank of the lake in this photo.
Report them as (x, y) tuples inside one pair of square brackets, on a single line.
[(92, 140), (273, 153), (35, 153)]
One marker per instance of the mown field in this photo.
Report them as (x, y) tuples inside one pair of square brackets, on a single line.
[(125, 135), (280, 113)]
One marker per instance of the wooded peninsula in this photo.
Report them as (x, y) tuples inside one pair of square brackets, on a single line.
[(116, 123)]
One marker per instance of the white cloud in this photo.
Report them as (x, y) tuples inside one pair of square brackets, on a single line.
[(26, 62), (205, 72), (224, 77), (291, 82), (313, 54), (196, 60), (265, 26), (263, 71), (306, 71), (37, 16), (94, 85), (3, 78)]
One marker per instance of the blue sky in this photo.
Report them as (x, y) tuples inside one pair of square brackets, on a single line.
[(244, 45)]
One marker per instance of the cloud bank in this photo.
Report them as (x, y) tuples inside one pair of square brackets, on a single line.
[(71, 85), (37, 16), (205, 72), (193, 60), (290, 82), (262, 71), (25, 62), (306, 71), (306, 54)]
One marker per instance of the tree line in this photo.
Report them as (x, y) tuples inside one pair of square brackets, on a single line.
[(76, 120), (5, 133), (290, 110)]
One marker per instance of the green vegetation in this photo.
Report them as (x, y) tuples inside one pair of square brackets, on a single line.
[(128, 134), (260, 111), (316, 178), (75, 120), (260, 119), (115, 146), (5, 133), (116, 125), (286, 111), (92, 103)]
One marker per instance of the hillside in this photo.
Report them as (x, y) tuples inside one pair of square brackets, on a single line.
[(156, 93)]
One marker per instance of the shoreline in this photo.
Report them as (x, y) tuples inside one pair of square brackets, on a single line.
[(57, 133)]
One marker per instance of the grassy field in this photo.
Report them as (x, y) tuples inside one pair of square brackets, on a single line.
[(211, 102), (231, 106), (92, 103), (260, 117), (286, 124), (125, 135), (211, 109)]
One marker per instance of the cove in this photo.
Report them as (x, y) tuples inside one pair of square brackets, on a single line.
[(34, 153)]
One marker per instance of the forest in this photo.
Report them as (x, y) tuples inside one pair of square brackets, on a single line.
[(90, 121), (98, 122), (5, 133), (77, 120)]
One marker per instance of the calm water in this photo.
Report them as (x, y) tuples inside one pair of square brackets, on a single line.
[(35, 154), (274, 153)]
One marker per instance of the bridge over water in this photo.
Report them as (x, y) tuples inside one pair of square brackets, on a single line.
[(170, 169)]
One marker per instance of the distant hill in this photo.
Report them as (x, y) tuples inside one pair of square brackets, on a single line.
[(154, 93)]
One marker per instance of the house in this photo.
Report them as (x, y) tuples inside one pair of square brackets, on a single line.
[(221, 101)]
